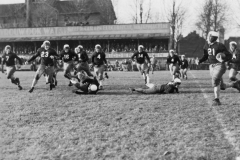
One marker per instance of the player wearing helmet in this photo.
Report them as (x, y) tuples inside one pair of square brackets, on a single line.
[(8, 58), (85, 84), (217, 54), (68, 57), (170, 87), (83, 60), (183, 66), (173, 62), (99, 61), (234, 63), (141, 57), (47, 55)]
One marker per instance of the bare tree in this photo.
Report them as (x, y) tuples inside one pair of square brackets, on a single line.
[(141, 11), (212, 16), (176, 14)]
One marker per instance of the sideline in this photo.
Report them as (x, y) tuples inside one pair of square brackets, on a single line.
[(229, 135)]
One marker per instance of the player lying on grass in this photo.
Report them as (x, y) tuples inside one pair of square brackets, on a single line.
[(85, 84), (8, 58), (170, 87), (217, 54)]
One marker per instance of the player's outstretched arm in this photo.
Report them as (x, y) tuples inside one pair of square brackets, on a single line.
[(204, 57), (33, 57), (133, 56), (19, 59), (3, 61)]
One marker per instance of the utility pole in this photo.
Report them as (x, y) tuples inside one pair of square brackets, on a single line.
[(28, 13)]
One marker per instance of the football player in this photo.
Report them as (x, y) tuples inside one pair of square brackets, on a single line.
[(83, 60), (68, 57), (234, 63), (173, 62), (8, 58), (153, 63), (170, 87), (183, 67), (143, 67), (47, 55), (99, 62), (217, 54), (85, 84)]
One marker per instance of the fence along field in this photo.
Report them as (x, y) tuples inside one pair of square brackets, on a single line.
[(116, 124)]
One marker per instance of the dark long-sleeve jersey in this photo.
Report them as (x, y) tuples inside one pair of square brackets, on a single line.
[(140, 57), (85, 85), (211, 51), (173, 60), (68, 56), (99, 58), (45, 56), (184, 64), (166, 88), (82, 56), (9, 59), (235, 61)]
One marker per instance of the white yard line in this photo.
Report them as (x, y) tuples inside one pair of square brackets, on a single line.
[(229, 135)]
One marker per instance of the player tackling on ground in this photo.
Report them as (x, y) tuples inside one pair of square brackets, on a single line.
[(46, 67), (8, 58), (143, 67), (170, 87), (217, 54), (99, 61)]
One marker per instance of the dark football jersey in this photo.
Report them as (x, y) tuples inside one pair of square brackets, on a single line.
[(68, 56), (167, 88), (235, 61), (82, 56), (174, 60), (9, 59), (184, 64), (99, 58), (211, 51), (140, 57), (45, 56)]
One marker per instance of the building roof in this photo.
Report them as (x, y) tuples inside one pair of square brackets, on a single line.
[(7, 10), (65, 7)]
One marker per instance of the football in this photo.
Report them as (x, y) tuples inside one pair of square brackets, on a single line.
[(220, 57)]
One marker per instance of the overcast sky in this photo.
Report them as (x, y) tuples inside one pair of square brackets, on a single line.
[(124, 12)]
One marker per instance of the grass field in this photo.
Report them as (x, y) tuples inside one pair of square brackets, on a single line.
[(116, 124)]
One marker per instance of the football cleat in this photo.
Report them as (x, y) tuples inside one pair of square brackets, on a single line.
[(100, 87), (216, 102), (55, 82), (106, 75), (31, 90), (131, 90), (20, 87), (70, 84), (17, 81), (52, 86)]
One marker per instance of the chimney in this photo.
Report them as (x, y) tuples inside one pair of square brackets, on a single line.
[(28, 13)]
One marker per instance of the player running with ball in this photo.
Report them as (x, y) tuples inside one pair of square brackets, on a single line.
[(217, 54), (8, 58), (46, 67), (99, 61), (143, 67)]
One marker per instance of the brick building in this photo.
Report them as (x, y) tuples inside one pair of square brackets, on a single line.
[(45, 13)]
